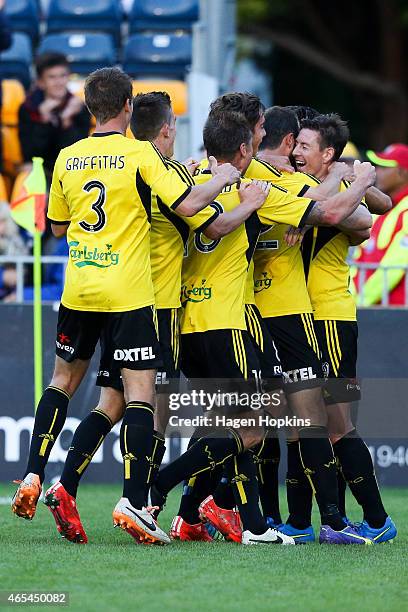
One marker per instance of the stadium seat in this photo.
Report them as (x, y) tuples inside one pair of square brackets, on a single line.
[(85, 15), (85, 52), (163, 15), (13, 96), (23, 17), (177, 91), (167, 55), (15, 62)]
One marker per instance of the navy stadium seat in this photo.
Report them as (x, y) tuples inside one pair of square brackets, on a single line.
[(85, 15), (23, 17), (15, 62), (167, 55), (163, 14), (85, 51)]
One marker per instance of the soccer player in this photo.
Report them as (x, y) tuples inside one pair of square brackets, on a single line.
[(268, 452), (321, 141), (152, 119), (219, 318), (98, 182)]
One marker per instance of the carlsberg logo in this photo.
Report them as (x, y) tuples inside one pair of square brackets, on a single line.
[(85, 256)]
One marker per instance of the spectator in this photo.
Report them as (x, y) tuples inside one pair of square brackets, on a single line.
[(51, 117), (53, 279), (11, 244), (388, 244), (5, 42)]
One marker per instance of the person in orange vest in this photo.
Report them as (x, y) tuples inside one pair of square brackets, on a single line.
[(388, 244)]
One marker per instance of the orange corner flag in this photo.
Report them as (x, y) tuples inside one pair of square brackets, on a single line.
[(28, 209)]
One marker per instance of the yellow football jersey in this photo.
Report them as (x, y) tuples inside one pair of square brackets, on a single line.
[(325, 251), (102, 186), (168, 239), (215, 272), (279, 277)]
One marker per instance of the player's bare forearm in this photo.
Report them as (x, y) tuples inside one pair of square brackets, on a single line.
[(202, 195), (252, 196), (59, 230), (228, 222), (358, 236), (359, 220), (340, 206), (331, 184), (378, 202)]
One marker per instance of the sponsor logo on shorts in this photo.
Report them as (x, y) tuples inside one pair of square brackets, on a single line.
[(326, 369), (262, 283), (298, 375), (161, 378), (99, 258), (63, 343), (141, 353), (196, 293)]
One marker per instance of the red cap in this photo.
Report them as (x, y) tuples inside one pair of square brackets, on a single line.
[(394, 155)]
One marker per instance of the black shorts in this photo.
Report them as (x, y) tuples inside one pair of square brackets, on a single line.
[(265, 348), (338, 343), (127, 339), (168, 371), (221, 358), (298, 350)]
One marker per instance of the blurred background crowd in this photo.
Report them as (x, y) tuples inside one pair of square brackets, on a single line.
[(342, 57)]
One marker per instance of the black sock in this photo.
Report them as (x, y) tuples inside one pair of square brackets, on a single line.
[(358, 470), (320, 466), (195, 490), (266, 459), (341, 487), (159, 448), (223, 494), (299, 492), (49, 421), (136, 444), (241, 471), (88, 437), (204, 455)]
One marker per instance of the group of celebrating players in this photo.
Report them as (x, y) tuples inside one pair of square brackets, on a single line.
[(233, 271)]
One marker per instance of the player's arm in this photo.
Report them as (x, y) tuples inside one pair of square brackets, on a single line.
[(251, 196), (378, 202), (335, 209), (173, 190), (330, 185), (396, 255), (58, 210)]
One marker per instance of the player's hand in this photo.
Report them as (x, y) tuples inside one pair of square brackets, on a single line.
[(254, 194), (191, 165), (281, 162), (228, 172), (364, 170), (294, 235), (340, 169)]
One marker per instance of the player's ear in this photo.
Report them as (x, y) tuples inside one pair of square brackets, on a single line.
[(328, 155)]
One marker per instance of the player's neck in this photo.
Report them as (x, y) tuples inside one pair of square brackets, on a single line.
[(268, 153), (113, 125)]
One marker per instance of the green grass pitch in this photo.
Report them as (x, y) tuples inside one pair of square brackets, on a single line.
[(112, 573)]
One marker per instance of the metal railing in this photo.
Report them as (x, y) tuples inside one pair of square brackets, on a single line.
[(364, 268), (21, 260)]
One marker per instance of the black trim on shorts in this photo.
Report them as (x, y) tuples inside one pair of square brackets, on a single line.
[(306, 213), (181, 198)]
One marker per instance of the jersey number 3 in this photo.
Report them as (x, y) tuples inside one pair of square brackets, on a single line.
[(97, 207)]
